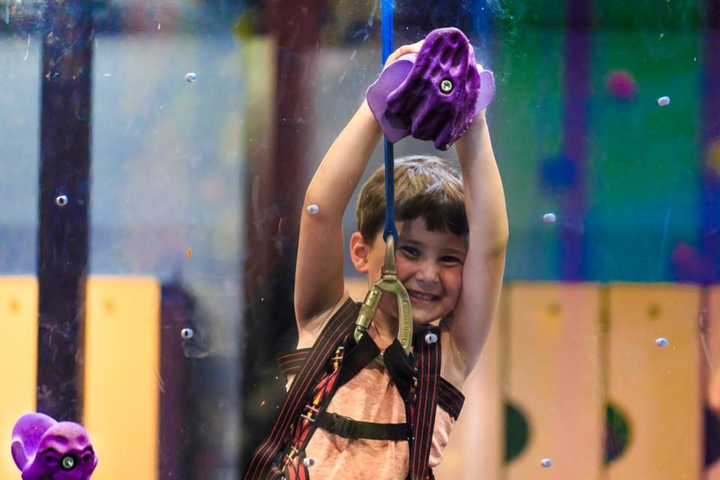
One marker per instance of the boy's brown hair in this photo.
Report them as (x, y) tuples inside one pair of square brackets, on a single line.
[(425, 186)]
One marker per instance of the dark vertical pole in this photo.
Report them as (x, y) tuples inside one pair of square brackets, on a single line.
[(64, 204), (275, 196), (577, 95), (177, 311), (710, 201)]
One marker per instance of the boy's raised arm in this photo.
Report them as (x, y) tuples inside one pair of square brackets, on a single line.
[(487, 243), (319, 279)]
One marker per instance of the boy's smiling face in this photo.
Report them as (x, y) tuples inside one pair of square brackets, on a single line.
[(429, 264)]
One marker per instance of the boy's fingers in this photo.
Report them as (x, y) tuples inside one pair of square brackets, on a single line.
[(404, 50), (413, 47)]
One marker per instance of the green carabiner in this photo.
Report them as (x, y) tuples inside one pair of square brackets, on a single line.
[(388, 283)]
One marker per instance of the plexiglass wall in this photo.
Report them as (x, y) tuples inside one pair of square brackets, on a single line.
[(154, 159)]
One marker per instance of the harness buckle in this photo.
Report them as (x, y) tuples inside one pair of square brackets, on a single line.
[(388, 283), (310, 413)]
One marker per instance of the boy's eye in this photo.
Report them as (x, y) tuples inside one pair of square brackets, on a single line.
[(450, 260), (410, 252)]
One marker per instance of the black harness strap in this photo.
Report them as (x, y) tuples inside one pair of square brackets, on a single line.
[(450, 398), (428, 365), (349, 428), (290, 363), (359, 356), (337, 329), (401, 369), (419, 387)]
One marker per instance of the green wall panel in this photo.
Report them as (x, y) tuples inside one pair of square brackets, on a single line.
[(526, 125), (643, 177)]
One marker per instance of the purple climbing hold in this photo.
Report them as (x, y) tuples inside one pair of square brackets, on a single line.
[(44, 448), (433, 95)]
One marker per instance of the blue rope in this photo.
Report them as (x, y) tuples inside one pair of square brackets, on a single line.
[(387, 11)]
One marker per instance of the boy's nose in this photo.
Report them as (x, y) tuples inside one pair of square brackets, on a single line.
[(428, 272)]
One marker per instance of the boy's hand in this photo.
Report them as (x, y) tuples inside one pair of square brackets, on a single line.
[(481, 116), (404, 50)]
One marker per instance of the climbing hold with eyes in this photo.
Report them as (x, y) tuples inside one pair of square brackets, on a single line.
[(434, 94), (44, 448)]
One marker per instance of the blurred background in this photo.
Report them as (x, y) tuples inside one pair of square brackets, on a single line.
[(154, 156)]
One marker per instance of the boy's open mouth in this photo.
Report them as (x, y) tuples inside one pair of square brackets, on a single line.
[(423, 297)]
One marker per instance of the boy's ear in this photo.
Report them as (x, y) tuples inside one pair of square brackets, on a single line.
[(359, 252)]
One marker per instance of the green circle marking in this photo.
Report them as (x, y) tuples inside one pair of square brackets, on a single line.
[(618, 433), (517, 432)]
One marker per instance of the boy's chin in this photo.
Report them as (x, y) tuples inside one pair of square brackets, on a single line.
[(421, 317), (423, 320)]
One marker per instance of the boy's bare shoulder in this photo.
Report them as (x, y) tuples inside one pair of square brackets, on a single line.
[(309, 329)]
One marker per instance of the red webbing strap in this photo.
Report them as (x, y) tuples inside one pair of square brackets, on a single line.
[(292, 463), (423, 411), (339, 326)]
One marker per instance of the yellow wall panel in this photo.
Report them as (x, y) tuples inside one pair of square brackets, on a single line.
[(122, 375), (657, 388), (18, 360), (553, 374)]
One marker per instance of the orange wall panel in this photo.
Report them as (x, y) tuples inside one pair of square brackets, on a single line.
[(553, 374), (657, 388), (711, 361)]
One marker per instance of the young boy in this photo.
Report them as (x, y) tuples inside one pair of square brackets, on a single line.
[(450, 257)]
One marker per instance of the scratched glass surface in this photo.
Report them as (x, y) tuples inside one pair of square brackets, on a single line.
[(154, 160)]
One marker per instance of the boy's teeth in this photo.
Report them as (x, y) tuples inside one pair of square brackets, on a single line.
[(421, 296)]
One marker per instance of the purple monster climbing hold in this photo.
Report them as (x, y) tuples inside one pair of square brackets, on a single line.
[(434, 95), (44, 448)]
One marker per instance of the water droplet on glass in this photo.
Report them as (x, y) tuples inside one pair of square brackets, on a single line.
[(549, 218), (546, 463), (662, 342), (61, 200), (663, 101), (313, 209), (187, 333), (191, 77)]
